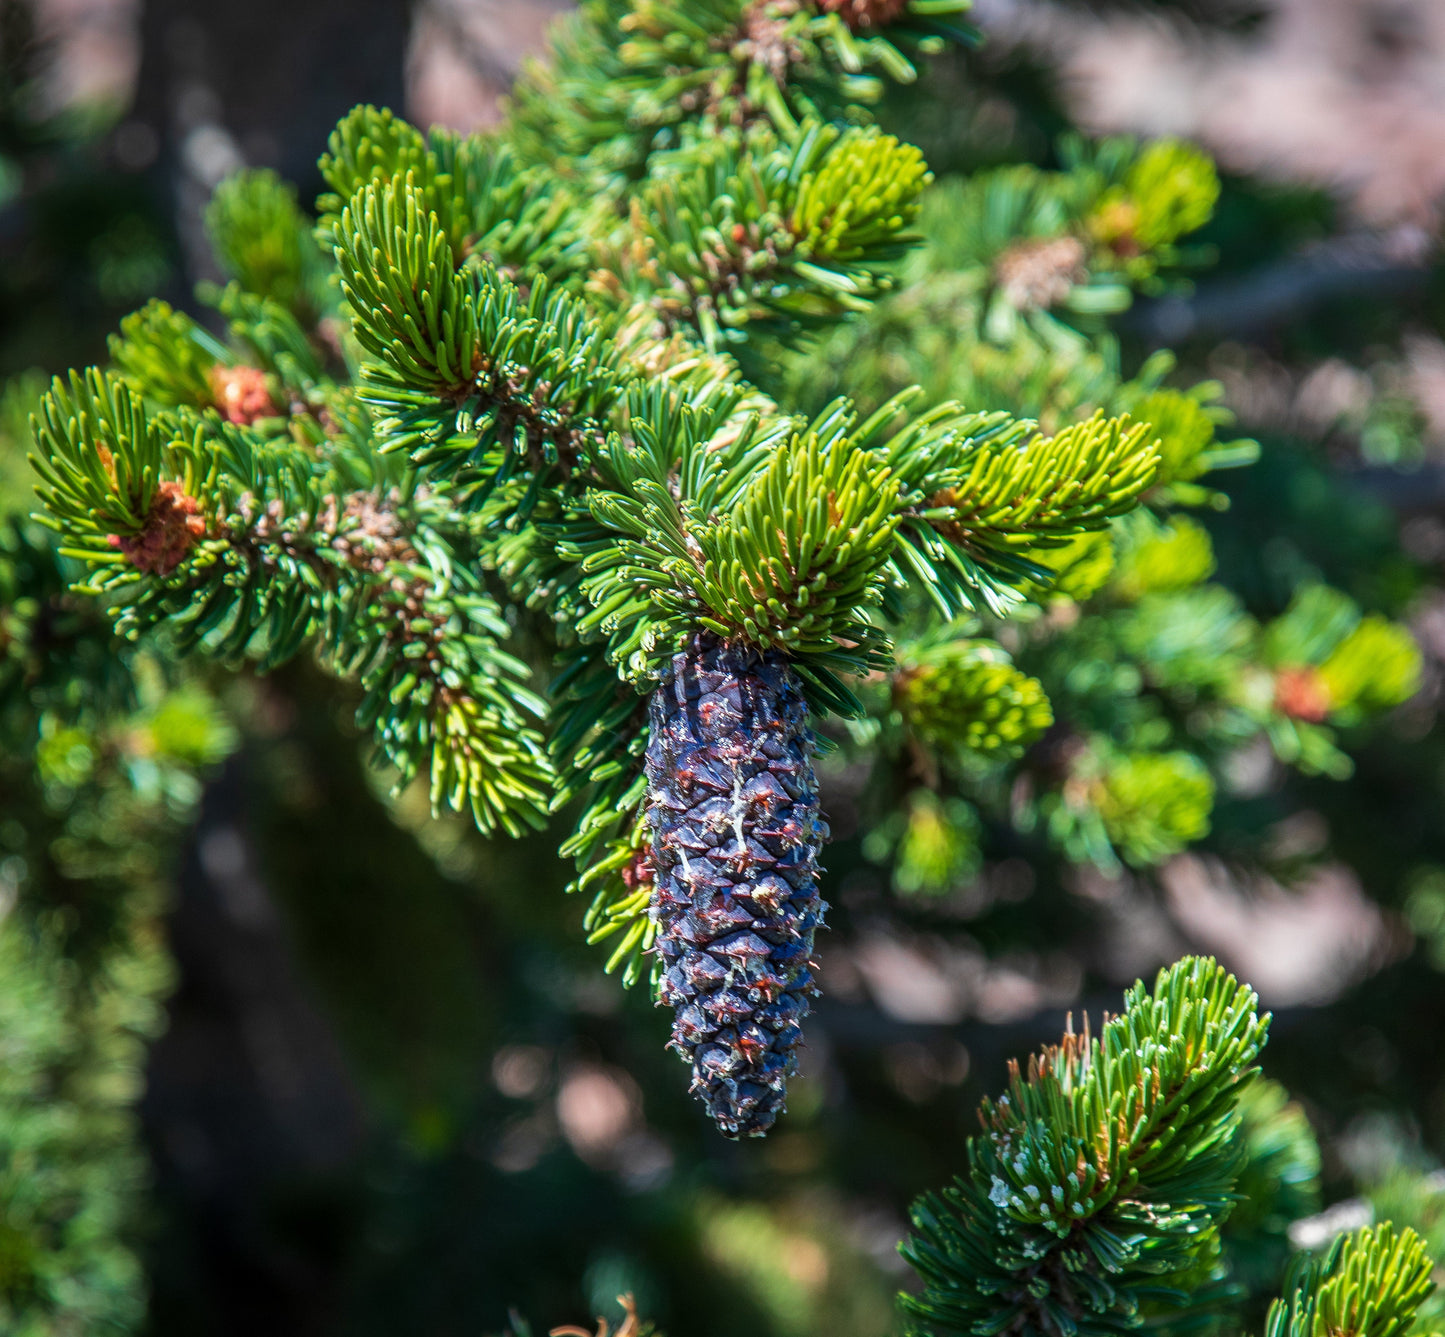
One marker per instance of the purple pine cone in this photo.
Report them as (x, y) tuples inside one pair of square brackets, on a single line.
[(733, 805)]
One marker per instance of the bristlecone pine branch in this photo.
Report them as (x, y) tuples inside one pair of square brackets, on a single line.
[(503, 421), (733, 805)]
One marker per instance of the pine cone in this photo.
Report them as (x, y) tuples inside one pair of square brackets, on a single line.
[(733, 805)]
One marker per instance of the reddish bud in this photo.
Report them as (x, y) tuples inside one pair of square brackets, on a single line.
[(241, 394), (637, 872), (861, 14), (172, 528), (1302, 694)]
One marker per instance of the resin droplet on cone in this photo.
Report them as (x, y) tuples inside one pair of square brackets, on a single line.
[(733, 806)]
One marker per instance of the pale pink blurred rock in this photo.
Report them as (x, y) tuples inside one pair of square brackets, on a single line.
[(912, 982), (1305, 944), (923, 980), (94, 51), (597, 1107), (1425, 381), (464, 55), (1346, 94)]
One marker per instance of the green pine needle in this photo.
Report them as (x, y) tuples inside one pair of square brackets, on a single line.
[(1369, 1284)]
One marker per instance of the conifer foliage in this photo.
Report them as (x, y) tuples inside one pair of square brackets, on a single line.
[(494, 385), (99, 759), (518, 389), (533, 437), (1094, 1196)]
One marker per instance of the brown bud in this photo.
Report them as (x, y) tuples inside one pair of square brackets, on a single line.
[(1040, 272), (861, 15), (631, 1326), (172, 528)]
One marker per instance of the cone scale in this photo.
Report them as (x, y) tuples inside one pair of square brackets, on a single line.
[(733, 808)]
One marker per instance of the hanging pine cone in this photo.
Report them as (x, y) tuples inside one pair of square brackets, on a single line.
[(733, 805)]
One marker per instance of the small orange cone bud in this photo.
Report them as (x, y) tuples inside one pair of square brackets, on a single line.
[(1302, 694), (241, 394)]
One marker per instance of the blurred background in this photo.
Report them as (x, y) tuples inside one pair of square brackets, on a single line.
[(382, 1085)]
